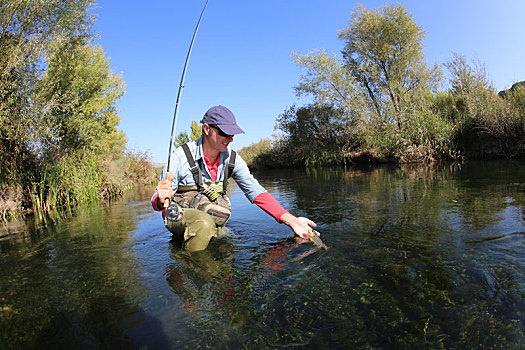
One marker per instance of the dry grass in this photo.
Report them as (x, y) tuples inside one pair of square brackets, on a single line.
[(11, 199)]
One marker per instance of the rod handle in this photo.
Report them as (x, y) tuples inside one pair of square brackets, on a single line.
[(166, 202)]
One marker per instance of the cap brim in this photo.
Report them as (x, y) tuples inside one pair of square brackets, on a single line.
[(230, 129)]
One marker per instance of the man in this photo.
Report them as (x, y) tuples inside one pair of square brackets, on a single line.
[(195, 224)]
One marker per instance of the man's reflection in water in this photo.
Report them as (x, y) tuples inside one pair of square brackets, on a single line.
[(204, 280), (209, 283)]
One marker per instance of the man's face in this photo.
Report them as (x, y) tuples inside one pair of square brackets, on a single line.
[(217, 138)]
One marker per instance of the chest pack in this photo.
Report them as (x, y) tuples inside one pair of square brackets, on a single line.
[(210, 198)]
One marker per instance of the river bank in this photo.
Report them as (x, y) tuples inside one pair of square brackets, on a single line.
[(75, 180), (265, 155)]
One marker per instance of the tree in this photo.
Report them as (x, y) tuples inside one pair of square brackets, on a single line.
[(382, 84), (27, 30), (314, 124), (466, 80), (383, 52), (484, 118), (181, 139), (330, 84), (196, 130), (381, 75), (77, 96), (196, 133)]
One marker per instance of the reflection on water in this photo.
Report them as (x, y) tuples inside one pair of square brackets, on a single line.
[(420, 257)]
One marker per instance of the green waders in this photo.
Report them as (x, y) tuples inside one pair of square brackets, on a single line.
[(197, 227), (195, 230)]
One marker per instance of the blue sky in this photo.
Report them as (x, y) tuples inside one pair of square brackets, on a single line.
[(241, 57)]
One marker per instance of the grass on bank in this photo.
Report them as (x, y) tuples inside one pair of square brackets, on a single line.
[(76, 179)]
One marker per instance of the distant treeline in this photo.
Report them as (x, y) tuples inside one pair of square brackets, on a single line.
[(59, 141), (379, 101)]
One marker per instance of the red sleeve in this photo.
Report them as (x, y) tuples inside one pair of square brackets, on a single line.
[(266, 202), (155, 203)]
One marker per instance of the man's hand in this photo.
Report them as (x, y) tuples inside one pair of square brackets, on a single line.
[(165, 190), (301, 226)]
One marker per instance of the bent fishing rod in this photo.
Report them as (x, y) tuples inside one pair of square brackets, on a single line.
[(166, 202)]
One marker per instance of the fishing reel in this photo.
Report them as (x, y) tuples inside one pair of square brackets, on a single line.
[(173, 213)]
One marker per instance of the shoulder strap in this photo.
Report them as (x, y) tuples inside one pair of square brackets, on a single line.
[(228, 170), (195, 170)]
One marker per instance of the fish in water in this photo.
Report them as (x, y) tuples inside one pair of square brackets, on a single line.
[(314, 237)]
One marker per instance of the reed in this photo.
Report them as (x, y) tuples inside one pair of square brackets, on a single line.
[(320, 155), (76, 179), (11, 198), (73, 180)]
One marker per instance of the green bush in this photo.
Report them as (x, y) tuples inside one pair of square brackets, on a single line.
[(75, 179), (249, 153), (84, 177), (318, 155), (426, 136)]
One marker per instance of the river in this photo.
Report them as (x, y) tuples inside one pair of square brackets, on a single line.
[(419, 257)]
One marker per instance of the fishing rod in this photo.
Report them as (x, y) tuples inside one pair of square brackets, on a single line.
[(166, 202)]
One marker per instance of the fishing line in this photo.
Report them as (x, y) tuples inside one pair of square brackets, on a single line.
[(166, 202)]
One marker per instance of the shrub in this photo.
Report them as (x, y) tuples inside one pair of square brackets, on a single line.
[(249, 153), (76, 178), (11, 199)]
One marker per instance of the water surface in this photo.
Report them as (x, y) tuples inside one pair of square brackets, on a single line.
[(420, 257)]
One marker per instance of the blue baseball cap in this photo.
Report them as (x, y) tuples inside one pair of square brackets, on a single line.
[(223, 118)]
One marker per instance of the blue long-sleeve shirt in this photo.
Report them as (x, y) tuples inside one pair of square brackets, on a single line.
[(180, 168)]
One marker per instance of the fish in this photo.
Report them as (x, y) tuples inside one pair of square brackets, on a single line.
[(492, 238), (314, 237)]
